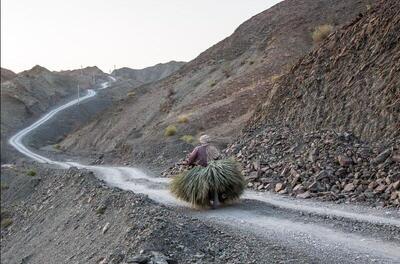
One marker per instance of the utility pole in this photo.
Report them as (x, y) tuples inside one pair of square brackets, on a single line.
[(79, 86), (78, 93)]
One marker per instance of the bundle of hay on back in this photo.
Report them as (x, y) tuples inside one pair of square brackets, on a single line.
[(196, 185)]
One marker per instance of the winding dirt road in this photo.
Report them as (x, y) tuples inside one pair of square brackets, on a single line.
[(330, 233)]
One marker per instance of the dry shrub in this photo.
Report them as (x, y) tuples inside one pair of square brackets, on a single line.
[(6, 222), (131, 94), (183, 119), (188, 139), (321, 32), (31, 173), (170, 130)]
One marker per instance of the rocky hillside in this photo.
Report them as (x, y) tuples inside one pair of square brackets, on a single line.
[(330, 129), (86, 77), (7, 75), (149, 74), (350, 82), (26, 95), (57, 216), (216, 92)]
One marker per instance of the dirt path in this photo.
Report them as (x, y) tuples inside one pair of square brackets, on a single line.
[(327, 232)]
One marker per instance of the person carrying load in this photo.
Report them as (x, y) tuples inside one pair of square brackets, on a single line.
[(211, 180)]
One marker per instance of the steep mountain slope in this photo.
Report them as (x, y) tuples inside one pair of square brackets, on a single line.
[(7, 75), (351, 82), (149, 74), (219, 89), (28, 94), (331, 126)]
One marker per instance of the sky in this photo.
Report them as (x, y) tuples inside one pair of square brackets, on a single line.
[(63, 35)]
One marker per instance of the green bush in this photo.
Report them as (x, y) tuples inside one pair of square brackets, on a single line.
[(31, 173), (321, 32), (170, 130), (188, 139), (6, 222)]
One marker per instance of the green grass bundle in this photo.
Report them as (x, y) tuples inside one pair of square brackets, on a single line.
[(196, 185)]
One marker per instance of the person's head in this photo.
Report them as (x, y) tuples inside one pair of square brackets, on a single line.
[(205, 139)]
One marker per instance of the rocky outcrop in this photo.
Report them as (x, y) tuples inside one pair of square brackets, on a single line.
[(149, 74)]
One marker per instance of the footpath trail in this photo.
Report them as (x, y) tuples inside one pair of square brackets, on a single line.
[(330, 233)]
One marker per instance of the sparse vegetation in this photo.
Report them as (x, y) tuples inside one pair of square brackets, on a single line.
[(170, 130), (275, 77), (6, 222), (57, 146), (131, 94), (183, 119), (101, 210), (321, 32), (251, 62), (188, 139), (31, 173), (213, 83), (4, 186)]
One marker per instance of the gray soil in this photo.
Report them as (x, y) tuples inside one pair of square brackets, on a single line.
[(60, 217)]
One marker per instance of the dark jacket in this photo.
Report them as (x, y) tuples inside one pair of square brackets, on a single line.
[(202, 154)]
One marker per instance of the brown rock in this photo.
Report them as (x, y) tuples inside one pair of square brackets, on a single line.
[(394, 195), (344, 161), (382, 157), (380, 189), (396, 157), (396, 185), (305, 195), (349, 187), (278, 187), (372, 185), (299, 188)]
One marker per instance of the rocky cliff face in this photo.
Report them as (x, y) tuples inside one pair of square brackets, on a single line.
[(219, 89), (149, 74)]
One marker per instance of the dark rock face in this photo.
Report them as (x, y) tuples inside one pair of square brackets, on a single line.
[(350, 82)]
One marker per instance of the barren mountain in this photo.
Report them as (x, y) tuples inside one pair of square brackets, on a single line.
[(149, 74), (216, 92), (7, 75), (331, 126), (28, 94), (87, 76)]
